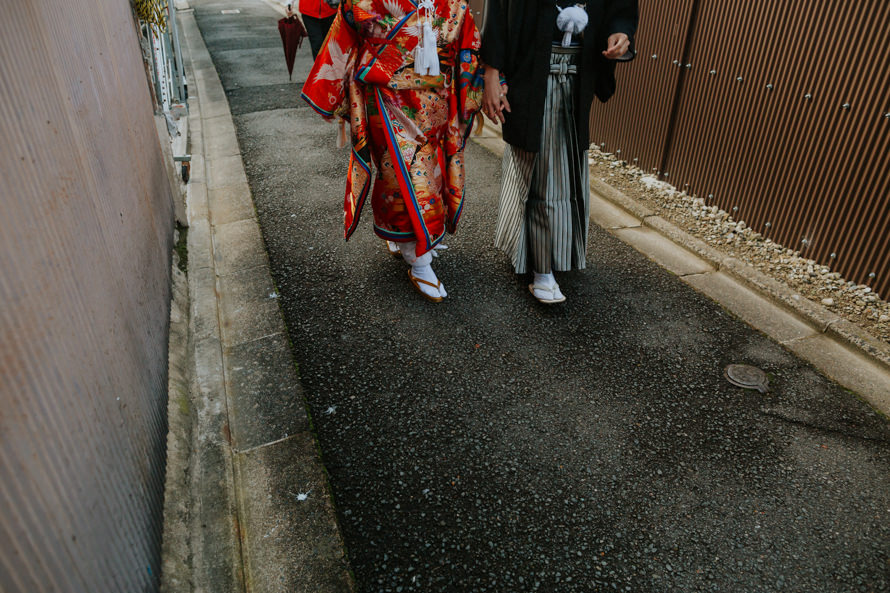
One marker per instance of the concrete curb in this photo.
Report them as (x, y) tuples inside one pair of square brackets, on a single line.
[(260, 516), (841, 350)]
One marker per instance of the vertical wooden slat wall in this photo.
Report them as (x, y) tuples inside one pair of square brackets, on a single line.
[(477, 9), (782, 117), (85, 240), (635, 120)]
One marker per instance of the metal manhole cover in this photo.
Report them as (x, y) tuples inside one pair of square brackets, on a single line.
[(746, 376)]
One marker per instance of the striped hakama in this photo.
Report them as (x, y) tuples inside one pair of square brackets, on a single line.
[(544, 203)]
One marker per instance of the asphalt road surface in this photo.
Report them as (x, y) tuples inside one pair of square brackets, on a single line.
[(490, 443)]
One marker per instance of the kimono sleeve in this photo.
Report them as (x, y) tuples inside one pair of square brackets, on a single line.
[(327, 87), (469, 81)]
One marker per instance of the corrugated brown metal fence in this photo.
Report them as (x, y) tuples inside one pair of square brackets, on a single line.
[(777, 111), (85, 241)]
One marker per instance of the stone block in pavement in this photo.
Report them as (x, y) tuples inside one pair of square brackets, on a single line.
[(196, 168), (265, 398), (237, 246), (204, 76), (208, 86), (663, 251), (750, 306), (248, 311), (215, 108), (209, 395), (204, 316), (196, 204), (855, 371), (196, 126), (219, 137), (231, 203), (817, 315), (609, 216), (226, 170), (203, 70), (202, 63), (858, 337), (216, 562), (199, 247), (492, 143), (291, 543), (693, 244), (606, 191), (212, 94)]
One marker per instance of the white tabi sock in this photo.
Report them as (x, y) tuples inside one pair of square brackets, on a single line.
[(546, 289), (420, 268), (544, 279)]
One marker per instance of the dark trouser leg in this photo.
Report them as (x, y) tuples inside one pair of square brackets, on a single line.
[(317, 30), (539, 216)]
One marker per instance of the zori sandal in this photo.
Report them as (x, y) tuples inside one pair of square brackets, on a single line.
[(549, 295), (393, 249), (418, 281)]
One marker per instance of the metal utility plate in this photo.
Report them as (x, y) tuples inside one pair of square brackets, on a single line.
[(747, 377)]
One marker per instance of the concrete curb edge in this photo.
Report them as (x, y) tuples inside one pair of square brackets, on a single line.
[(243, 530), (175, 566), (812, 313)]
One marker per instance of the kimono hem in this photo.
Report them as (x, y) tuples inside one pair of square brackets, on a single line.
[(412, 127)]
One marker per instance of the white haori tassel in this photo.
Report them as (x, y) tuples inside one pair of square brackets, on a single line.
[(426, 56), (430, 52), (571, 20)]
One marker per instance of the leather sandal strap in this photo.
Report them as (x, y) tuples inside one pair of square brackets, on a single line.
[(422, 281)]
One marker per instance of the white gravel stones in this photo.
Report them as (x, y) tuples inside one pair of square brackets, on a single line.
[(855, 302)]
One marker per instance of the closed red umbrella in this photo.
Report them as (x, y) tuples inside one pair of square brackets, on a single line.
[(292, 33)]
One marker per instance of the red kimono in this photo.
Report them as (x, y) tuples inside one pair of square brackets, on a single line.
[(413, 127)]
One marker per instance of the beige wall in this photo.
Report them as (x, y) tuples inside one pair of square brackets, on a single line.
[(85, 240)]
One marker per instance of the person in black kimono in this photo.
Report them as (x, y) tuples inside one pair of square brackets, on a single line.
[(553, 57)]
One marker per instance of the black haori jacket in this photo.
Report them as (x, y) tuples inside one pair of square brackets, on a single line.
[(517, 39)]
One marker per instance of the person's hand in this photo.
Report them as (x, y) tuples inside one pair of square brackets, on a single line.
[(290, 12), (494, 97), (618, 45)]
